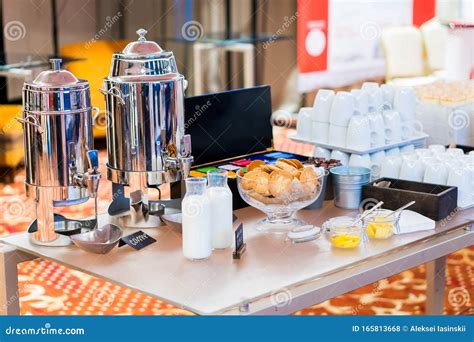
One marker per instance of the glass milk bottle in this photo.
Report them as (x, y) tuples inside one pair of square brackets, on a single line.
[(196, 220), (220, 198)]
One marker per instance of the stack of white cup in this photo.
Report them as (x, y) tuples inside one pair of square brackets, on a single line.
[(320, 119), (364, 118), (435, 165)]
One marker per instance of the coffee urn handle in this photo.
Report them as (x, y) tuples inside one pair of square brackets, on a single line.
[(33, 122), (115, 92)]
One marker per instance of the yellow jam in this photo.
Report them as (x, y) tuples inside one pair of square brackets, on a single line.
[(379, 229), (345, 240)]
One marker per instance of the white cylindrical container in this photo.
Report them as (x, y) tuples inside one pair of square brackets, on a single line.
[(196, 220), (220, 198)]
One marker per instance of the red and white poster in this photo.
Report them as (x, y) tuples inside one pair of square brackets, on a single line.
[(339, 40)]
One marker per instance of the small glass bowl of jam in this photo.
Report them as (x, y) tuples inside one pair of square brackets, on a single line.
[(379, 226), (344, 232)]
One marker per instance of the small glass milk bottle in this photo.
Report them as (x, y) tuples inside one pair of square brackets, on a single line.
[(220, 198), (196, 220)]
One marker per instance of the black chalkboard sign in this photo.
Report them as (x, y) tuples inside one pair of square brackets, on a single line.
[(137, 240), (239, 242)]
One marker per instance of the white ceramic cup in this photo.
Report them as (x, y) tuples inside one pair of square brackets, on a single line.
[(343, 107), (469, 158), (370, 87), (412, 170), (411, 129), (359, 133), (376, 101), (388, 92), (391, 167), (436, 172), (322, 105), (361, 100), (392, 152), (409, 156), (437, 148), (454, 152), (303, 123), (377, 127), (341, 156), (375, 96), (377, 159), (423, 152), (393, 127), (471, 153), (320, 132), (407, 148), (363, 160), (404, 102), (320, 152), (460, 176), (337, 135)]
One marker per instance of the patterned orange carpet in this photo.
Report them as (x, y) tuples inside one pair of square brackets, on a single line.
[(47, 288)]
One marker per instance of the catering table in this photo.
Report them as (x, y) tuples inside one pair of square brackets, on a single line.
[(274, 276)]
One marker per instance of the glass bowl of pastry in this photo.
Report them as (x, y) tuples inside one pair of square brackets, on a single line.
[(279, 190)]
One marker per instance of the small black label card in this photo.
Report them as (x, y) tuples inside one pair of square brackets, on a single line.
[(239, 242), (137, 240)]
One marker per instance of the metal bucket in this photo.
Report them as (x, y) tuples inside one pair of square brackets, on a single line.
[(348, 182)]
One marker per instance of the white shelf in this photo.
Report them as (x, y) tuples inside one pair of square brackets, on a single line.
[(418, 141)]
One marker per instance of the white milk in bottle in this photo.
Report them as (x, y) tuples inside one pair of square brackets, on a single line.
[(196, 220), (220, 198)]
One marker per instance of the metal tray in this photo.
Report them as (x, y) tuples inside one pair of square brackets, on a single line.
[(418, 141)]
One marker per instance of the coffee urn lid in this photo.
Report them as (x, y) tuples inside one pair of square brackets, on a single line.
[(142, 47), (56, 77), (143, 60), (56, 90)]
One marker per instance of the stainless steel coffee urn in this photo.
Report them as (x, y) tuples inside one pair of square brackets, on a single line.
[(61, 164), (146, 142)]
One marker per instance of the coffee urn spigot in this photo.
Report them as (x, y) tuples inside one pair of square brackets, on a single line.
[(93, 176)]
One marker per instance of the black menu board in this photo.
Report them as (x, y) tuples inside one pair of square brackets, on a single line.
[(229, 124)]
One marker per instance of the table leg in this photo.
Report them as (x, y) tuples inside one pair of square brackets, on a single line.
[(10, 257), (436, 281)]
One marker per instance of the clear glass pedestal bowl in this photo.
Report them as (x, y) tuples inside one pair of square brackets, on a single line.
[(280, 210)]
